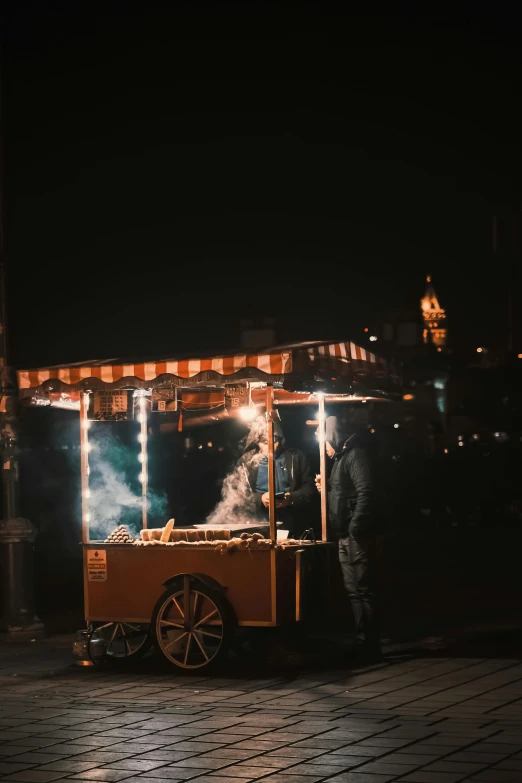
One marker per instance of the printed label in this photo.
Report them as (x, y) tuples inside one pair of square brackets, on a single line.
[(97, 565)]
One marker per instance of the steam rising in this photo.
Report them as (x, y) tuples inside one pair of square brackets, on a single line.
[(237, 504), (114, 489)]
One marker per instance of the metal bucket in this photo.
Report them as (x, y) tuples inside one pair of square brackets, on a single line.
[(89, 649)]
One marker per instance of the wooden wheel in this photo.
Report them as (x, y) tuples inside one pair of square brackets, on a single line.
[(124, 640), (192, 625)]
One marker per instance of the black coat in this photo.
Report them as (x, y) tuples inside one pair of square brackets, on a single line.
[(301, 478), (351, 502)]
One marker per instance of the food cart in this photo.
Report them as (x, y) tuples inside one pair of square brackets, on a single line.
[(187, 591)]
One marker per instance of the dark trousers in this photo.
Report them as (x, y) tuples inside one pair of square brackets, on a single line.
[(358, 563)]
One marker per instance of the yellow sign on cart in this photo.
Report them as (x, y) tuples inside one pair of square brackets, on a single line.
[(97, 565)]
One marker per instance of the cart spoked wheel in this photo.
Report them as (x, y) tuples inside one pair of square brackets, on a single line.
[(125, 640), (192, 625)]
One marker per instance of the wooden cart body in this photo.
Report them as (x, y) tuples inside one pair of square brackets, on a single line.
[(267, 587)]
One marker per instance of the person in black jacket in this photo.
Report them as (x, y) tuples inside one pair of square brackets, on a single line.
[(294, 478), (351, 514)]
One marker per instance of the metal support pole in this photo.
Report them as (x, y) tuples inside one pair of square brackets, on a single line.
[(144, 475), (271, 463), (84, 457), (322, 466)]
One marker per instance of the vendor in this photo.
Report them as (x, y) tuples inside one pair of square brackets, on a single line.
[(294, 478)]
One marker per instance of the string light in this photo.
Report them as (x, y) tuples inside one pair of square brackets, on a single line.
[(142, 456)]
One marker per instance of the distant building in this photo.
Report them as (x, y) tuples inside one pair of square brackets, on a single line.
[(415, 339), (434, 331)]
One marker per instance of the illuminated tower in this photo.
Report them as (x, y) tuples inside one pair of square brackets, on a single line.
[(434, 318)]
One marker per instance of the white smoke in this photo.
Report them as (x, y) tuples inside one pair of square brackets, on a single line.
[(113, 498), (237, 504), (110, 498)]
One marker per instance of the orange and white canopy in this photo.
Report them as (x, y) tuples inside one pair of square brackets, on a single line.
[(270, 365)]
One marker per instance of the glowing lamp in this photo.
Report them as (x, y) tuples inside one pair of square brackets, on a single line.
[(248, 412)]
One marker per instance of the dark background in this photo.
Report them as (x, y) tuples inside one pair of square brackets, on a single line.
[(173, 167)]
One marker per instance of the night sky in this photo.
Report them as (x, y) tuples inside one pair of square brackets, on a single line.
[(171, 168)]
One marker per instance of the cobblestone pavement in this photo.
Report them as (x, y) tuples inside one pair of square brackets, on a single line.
[(410, 719)]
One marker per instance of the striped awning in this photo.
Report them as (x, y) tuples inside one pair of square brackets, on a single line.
[(269, 364)]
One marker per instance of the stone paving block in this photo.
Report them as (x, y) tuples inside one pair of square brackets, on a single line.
[(232, 754), (134, 747), (7, 767), (410, 732), (37, 742), (54, 749), (36, 757), (361, 777), (326, 770), (43, 713), (239, 773), (280, 777), (137, 765), (510, 764), (103, 774), (68, 749), (283, 736), (246, 731), (431, 749), (194, 746), (171, 773), (320, 743), (360, 750), (492, 776), (264, 761), (474, 755), (183, 732), (352, 732), (290, 751), (201, 761), (69, 765), (63, 733), (415, 760), (210, 779), (120, 732), (11, 750), (385, 742), (344, 762), (102, 756), (35, 776), (491, 747), (93, 741), (503, 738), (165, 755), (448, 739), (430, 777), (28, 729), (462, 767), (384, 767), (223, 739)]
